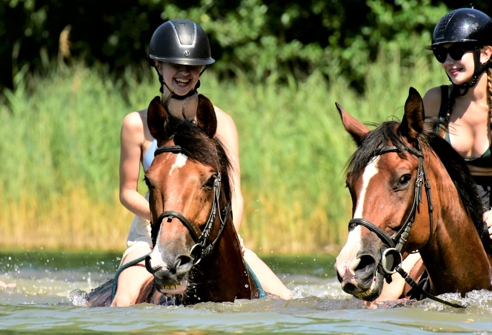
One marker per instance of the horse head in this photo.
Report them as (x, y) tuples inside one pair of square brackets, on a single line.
[(385, 177), (188, 193)]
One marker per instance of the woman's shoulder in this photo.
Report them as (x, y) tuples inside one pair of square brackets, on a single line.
[(134, 125), (135, 119), (224, 120), (226, 128), (432, 101)]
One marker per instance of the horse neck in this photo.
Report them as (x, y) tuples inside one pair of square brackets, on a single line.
[(454, 255), (222, 275)]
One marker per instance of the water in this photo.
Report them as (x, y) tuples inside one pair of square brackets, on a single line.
[(38, 304)]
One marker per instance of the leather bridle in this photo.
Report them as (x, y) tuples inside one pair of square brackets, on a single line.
[(201, 249), (391, 256)]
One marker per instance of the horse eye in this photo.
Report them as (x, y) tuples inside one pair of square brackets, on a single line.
[(405, 179), (148, 183), (210, 182)]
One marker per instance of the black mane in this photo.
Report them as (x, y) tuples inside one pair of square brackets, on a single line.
[(455, 165), (197, 146)]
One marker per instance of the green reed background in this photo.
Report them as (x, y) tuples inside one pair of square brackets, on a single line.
[(59, 152)]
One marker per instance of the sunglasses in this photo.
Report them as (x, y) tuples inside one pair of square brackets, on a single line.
[(456, 51)]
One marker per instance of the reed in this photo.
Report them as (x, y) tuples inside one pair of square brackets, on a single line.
[(60, 154)]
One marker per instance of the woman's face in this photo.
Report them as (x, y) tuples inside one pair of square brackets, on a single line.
[(180, 78), (461, 70)]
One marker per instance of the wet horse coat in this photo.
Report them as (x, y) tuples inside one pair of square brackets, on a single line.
[(387, 176)]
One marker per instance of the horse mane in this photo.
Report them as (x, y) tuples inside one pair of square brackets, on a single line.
[(455, 165), (462, 178), (198, 147)]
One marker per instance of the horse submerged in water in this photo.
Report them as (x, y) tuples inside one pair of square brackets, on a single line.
[(196, 247), (391, 217)]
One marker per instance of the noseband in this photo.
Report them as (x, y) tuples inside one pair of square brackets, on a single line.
[(200, 249), (391, 256)]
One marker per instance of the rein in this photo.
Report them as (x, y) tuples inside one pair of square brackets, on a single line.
[(200, 249), (391, 257)]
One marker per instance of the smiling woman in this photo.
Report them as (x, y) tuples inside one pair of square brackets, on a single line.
[(179, 51), (462, 43)]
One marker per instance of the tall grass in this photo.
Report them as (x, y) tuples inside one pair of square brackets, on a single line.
[(59, 154)]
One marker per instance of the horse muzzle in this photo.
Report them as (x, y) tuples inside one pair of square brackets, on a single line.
[(170, 278), (360, 277)]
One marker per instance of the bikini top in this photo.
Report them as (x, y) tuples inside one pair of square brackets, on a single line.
[(483, 161), (148, 158)]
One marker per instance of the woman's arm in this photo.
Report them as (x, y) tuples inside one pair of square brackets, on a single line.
[(227, 134), (432, 102), (131, 141)]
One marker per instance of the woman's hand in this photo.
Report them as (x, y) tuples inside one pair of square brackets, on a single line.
[(487, 217)]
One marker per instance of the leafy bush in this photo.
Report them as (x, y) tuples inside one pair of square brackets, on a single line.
[(260, 39)]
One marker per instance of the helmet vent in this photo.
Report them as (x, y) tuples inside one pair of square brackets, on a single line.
[(185, 36), (180, 41), (440, 30)]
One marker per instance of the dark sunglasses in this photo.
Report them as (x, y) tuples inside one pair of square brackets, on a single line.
[(456, 51)]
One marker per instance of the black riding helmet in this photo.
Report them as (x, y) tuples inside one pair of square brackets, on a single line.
[(182, 42), (464, 25)]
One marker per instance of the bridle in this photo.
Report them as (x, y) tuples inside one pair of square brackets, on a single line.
[(201, 249), (391, 256)]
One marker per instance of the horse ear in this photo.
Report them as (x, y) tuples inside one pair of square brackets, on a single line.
[(353, 126), (413, 120), (205, 116), (156, 119)]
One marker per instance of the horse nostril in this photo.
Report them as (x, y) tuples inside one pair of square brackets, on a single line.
[(148, 266), (366, 263), (183, 261), (339, 277)]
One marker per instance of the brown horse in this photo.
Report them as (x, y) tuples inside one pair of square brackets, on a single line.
[(196, 252), (386, 177)]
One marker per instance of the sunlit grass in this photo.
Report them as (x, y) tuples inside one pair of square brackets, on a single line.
[(60, 154)]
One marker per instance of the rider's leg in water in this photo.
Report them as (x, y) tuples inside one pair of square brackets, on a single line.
[(268, 280), (133, 282)]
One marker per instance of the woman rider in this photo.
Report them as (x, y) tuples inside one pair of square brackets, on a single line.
[(462, 43), (179, 51)]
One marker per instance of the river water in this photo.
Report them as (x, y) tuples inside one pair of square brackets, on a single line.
[(39, 303)]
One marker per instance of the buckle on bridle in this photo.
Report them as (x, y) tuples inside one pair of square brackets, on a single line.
[(390, 259), (196, 252)]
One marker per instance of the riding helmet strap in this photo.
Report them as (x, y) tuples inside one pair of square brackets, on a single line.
[(173, 95), (479, 69)]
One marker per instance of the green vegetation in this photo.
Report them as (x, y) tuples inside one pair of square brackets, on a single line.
[(295, 38), (60, 152)]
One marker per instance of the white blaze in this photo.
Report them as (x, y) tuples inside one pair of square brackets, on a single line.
[(156, 259), (370, 171), (179, 163), (347, 259)]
